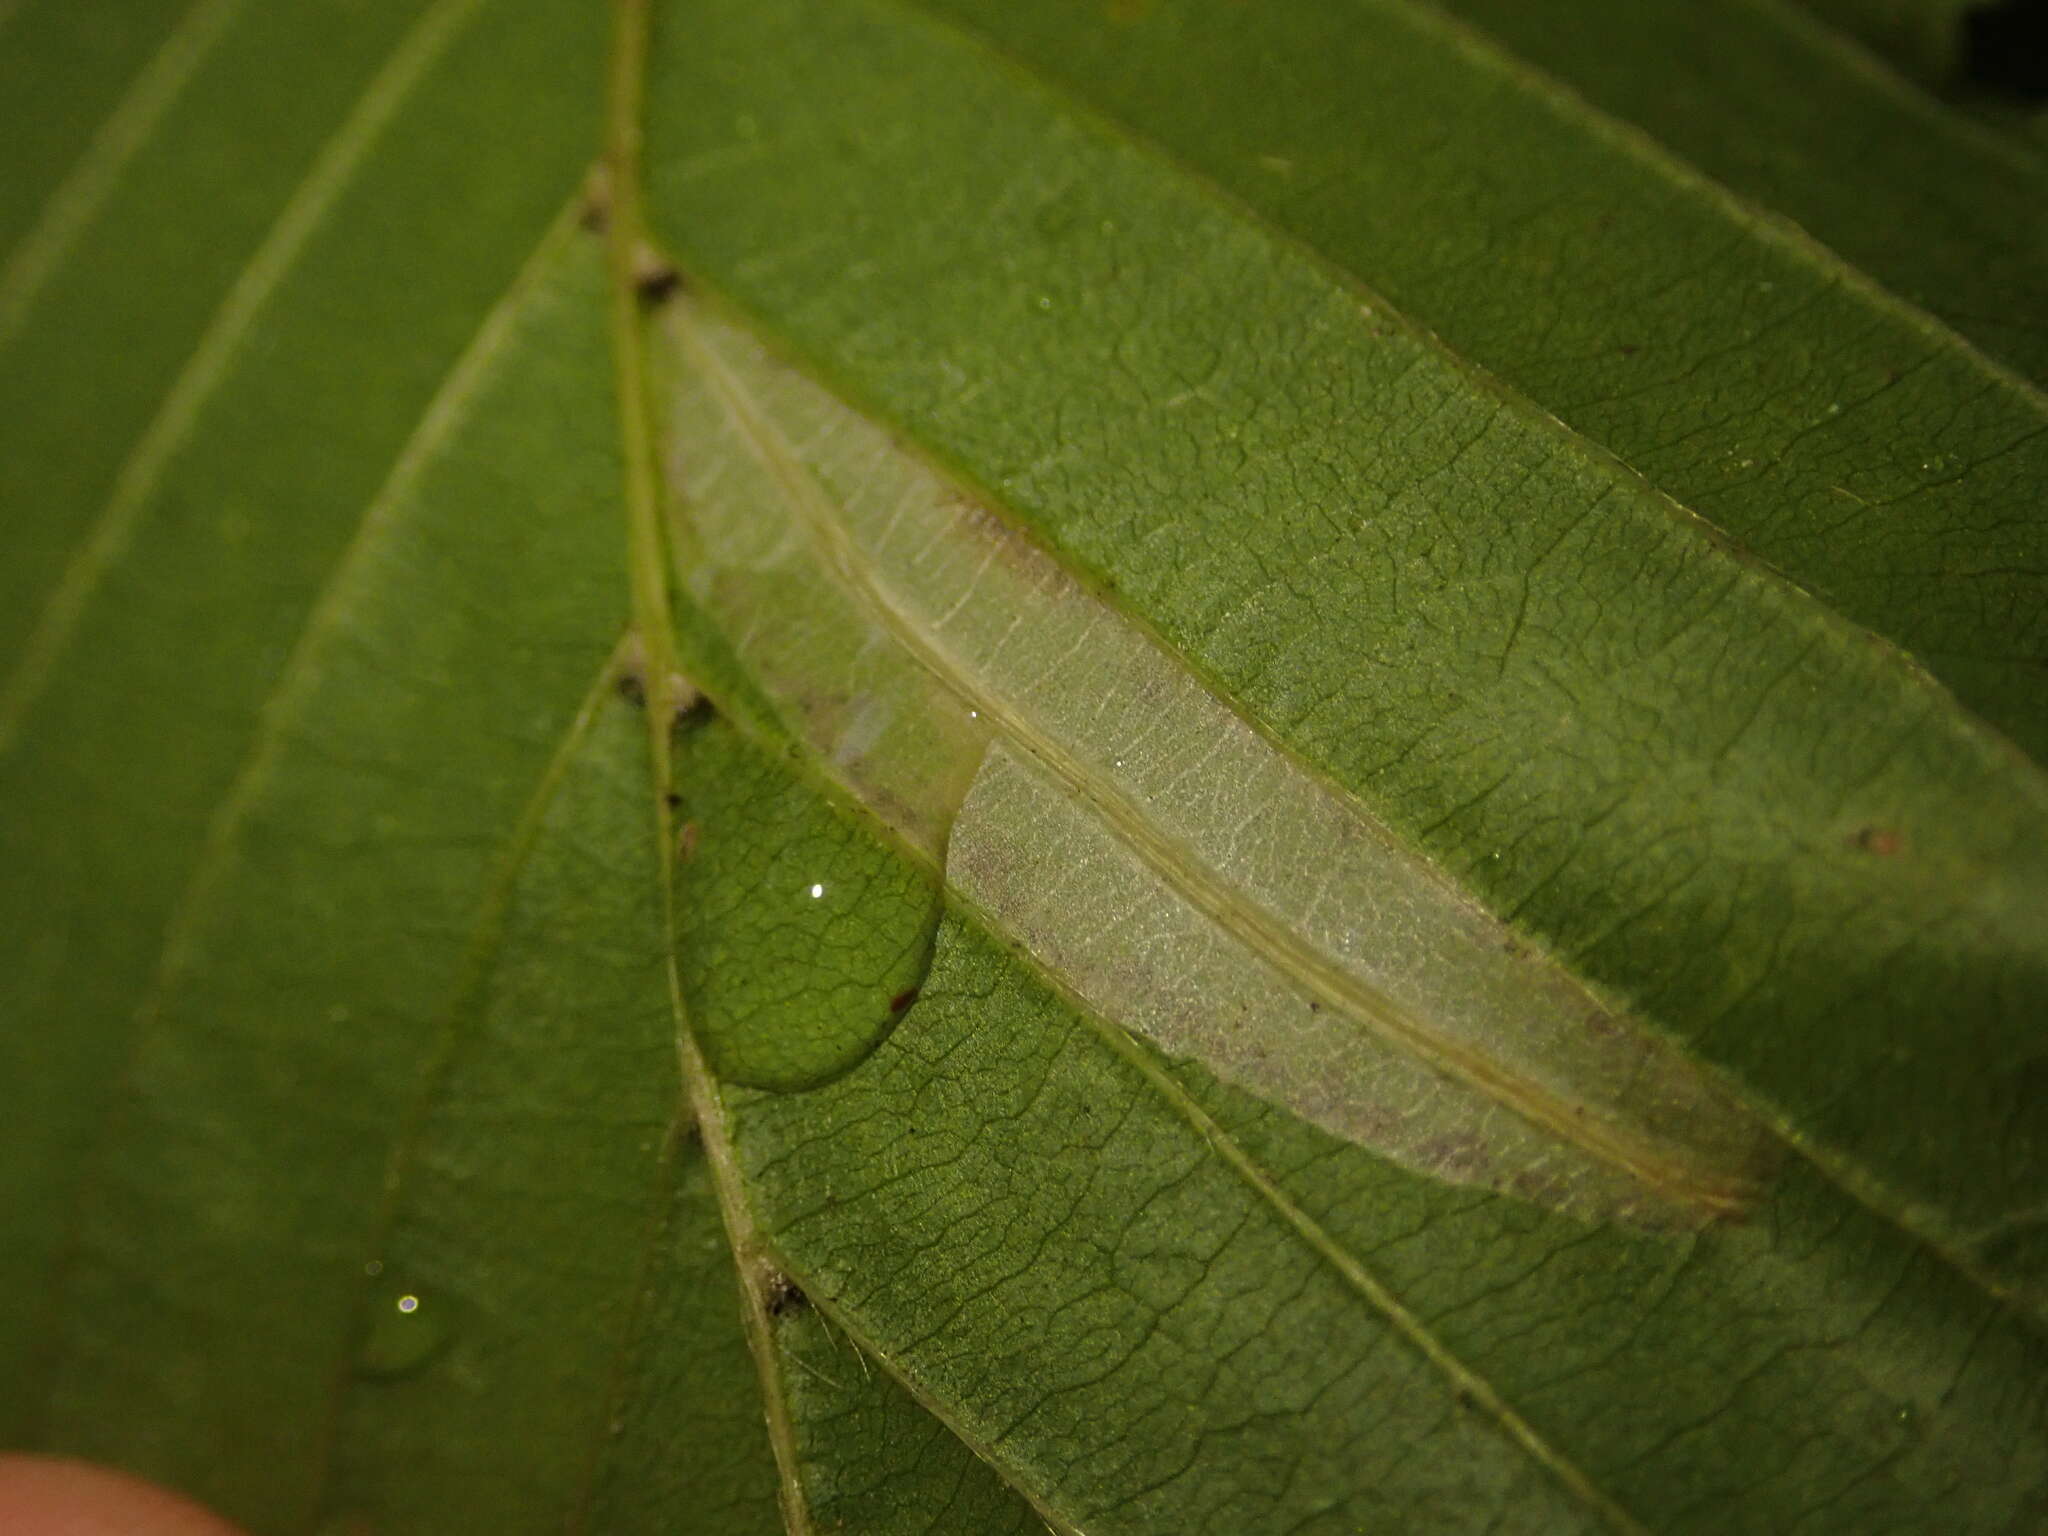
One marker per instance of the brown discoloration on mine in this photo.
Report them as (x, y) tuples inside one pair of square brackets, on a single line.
[(1011, 545), (1882, 841), (686, 842)]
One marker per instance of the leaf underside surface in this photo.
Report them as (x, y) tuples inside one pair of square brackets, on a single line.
[(932, 766)]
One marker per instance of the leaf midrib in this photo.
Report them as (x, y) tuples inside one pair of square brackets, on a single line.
[(304, 211), (653, 622)]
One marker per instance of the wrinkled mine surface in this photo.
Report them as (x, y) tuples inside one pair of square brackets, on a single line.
[(1152, 852)]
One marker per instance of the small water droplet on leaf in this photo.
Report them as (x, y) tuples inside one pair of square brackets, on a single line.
[(406, 1330)]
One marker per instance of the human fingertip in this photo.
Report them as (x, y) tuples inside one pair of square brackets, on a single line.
[(56, 1496)]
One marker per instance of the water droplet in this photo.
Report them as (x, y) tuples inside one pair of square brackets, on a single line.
[(374, 1268), (406, 1329), (765, 1022), (1045, 301)]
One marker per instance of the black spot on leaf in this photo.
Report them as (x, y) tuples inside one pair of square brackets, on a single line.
[(656, 281), (784, 1296)]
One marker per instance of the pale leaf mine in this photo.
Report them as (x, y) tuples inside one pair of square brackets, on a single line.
[(1152, 852)]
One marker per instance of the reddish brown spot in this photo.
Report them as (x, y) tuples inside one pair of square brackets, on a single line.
[(686, 842), (673, 799), (1628, 349), (1882, 841), (903, 999)]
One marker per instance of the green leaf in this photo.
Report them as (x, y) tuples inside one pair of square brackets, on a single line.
[(1363, 847), (1919, 197), (1921, 37)]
